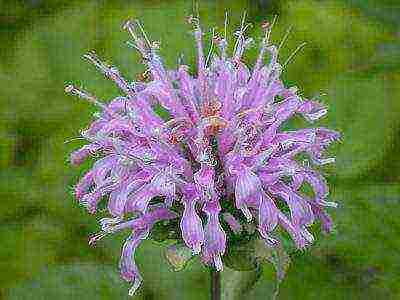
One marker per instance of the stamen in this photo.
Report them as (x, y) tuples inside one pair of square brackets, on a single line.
[(293, 54), (247, 43), (139, 42), (271, 242), (239, 33), (129, 27), (110, 72), (265, 25), (144, 76), (106, 223), (156, 45), (70, 89), (181, 60), (144, 33), (269, 31), (243, 20), (244, 113), (194, 21), (215, 121), (196, 8), (247, 26), (74, 139), (93, 239), (130, 44), (221, 42), (211, 47), (94, 59), (225, 25), (241, 42), (174, 122), (288, 31)]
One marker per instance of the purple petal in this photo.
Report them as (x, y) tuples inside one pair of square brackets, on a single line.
[(187, 91), (318, 183), (205, 176), (91, 200), (119, 197), (294, 232), (163, 184), (247, 185), (191, 225), (215, 237), (142, 156), (84, 185), (287, 108), (139, 201), (268, 216), (312, 110), (325, 219), (166, 97), (128, 268), (243, 74), (300, 209), (297, 181), (95, 127), (232, 222), (205, 179), (102, 168), (79, 156)]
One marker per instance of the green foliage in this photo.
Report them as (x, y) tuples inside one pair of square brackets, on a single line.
[(241, 256), (351, 55), (178, 255)]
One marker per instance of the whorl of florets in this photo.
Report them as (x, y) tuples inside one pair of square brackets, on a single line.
[(218, 157)]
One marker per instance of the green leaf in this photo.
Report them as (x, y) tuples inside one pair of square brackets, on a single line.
[(241, 256), (360, 261), (178, 255), (76, 281), (277, 256), (236, 284), (159, 280), (366, 114)]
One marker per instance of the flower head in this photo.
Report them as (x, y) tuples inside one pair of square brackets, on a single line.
[(220, 157)]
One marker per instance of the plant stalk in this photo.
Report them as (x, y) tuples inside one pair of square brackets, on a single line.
[(215, 285)]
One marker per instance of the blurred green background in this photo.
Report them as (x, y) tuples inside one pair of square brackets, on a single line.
[(352, 56)]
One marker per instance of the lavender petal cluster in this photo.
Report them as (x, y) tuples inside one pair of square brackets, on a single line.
[(222, 142)]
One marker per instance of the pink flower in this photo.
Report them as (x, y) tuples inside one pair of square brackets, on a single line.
[(222, 144)]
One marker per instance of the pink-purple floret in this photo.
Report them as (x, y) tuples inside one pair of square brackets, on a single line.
[(223, 142)]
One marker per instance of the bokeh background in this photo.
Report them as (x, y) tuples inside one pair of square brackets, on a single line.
[(352, 57)]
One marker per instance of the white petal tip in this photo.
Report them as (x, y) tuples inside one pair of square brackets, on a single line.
[(196, 249), (218, 263), (330, 204), (324, 161), (134, 287), (247, 214)]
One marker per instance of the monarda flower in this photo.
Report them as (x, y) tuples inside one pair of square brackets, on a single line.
[(218, 161)]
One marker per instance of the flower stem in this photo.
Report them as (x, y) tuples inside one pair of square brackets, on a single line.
[(215, 285)]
